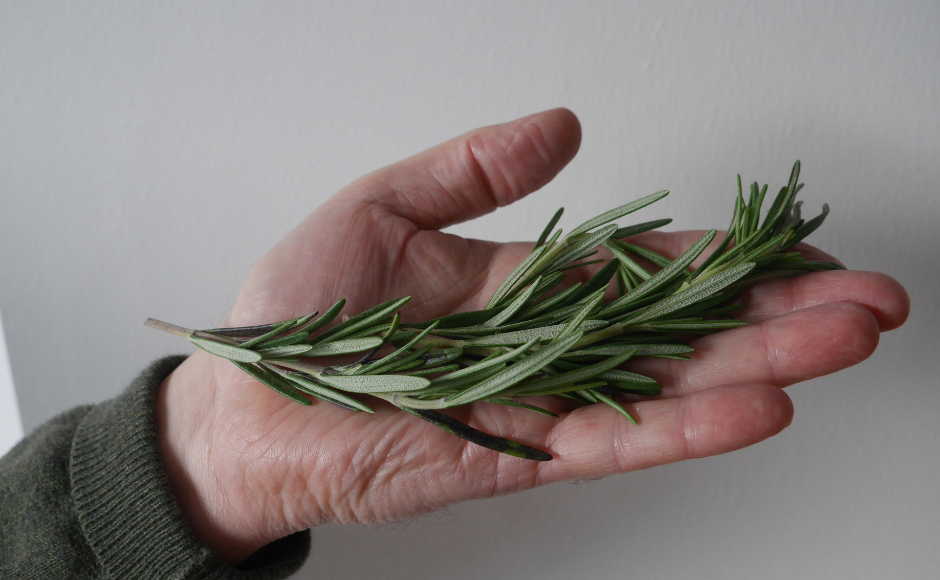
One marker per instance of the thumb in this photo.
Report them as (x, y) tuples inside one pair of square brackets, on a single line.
[(475, 173)]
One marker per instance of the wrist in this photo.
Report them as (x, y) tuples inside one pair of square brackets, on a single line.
[(198, 463)]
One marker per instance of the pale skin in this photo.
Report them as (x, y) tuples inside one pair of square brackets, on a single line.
[(249, 466)]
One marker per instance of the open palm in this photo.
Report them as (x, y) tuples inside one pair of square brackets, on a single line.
[(249, 466)]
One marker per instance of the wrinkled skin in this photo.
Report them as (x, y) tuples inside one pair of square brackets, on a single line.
[(249, 466)]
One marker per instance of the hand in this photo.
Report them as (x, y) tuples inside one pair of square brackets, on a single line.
[(249, 466)]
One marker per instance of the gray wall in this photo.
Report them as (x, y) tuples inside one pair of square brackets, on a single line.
[(149, 154)]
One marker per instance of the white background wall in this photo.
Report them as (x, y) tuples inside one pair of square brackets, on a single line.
[(150, 153)]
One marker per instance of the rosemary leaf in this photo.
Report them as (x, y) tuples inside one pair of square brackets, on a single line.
[(581, 247), (317, 390), (808, 228), (455, 427), (661, 278), (278, 329), (516, 372), (611, 403), (648, 255), (503, 290), (233, 353), (327, 317), (551, 226), (524, 336), (575, 323), (344, 346), (454, 377), (640, 228), (511, 403), (360, 321), (545, 386), (379, 365), (273, 381), (616, 213), (691, 295), (375, 383), (552, 301), (513, 306), (284, 351)]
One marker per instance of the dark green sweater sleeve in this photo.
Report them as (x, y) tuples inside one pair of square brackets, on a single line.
[(85, 496)]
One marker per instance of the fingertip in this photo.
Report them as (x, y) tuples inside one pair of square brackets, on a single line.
[(521, 156), (732, 417), (881, 294), (893, 304), (562, 130), (856, 329)]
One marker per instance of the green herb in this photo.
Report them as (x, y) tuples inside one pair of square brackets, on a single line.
[(529, 341)]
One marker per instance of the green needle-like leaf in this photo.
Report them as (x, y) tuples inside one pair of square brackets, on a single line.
[(287, 340), (455, 427), (513, 306), (503, 290), (382, 364), (456, 320), (547, 284), (524, 336), (375, 383), (691, 294), (622, 376), (326, 393), (808, 228), (511, 403), (648, 255), (578, 249), (252, 331), (455, 384), (344, 346), (278, 329), (227, 351), (611, 403), (675, 326), (274, 381), (360, 321), (551, 226), (661, 278), (575, 323), (408, 361), (640, 228), (616, 213), (458, 376), (440, 357), (517, 372), (284, 351), (328, 316), (626, 260), (432, 371), (639, 350), (552, 301), (543, 386)]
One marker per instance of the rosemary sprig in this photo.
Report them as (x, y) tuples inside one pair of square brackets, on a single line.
[(528, 341)]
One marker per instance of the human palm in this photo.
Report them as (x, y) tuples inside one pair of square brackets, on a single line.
[(249, 466)]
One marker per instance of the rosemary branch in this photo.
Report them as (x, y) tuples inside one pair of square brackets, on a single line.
[(529, 341)]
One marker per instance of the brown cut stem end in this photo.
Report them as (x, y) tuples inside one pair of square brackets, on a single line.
[(170, 328)]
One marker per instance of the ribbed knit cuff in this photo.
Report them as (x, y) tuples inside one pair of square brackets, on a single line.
[(125, 506)]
